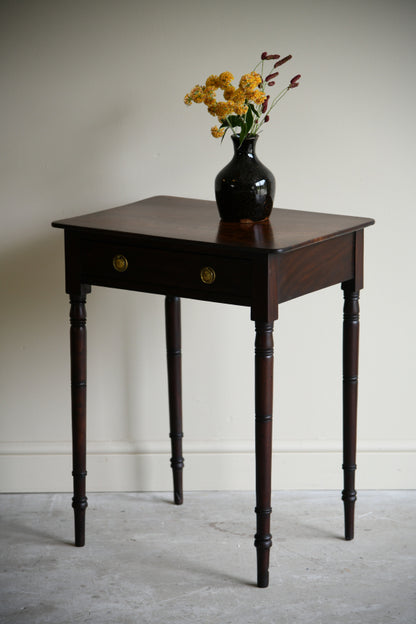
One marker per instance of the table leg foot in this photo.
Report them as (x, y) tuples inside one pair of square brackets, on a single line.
[(263, 577), (79, 505), (349, 498), (263, 543), (174, 362), (177, 463)]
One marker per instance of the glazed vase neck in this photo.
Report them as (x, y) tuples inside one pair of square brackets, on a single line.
[(248, 146)]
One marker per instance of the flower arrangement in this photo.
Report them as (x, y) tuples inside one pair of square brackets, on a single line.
[(246, 107)]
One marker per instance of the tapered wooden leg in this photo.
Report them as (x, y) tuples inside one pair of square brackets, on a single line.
[(78, 341), (350, 388), (264, 416), (174, 358)]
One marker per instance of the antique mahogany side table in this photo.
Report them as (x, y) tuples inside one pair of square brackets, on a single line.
[(177, 247)]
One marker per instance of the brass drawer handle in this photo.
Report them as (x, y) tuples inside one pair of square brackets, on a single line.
[(120, 263), (208, 275)]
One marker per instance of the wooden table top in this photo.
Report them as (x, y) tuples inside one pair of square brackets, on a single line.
[(197, 221)]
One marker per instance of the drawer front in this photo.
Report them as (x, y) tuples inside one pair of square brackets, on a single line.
[(196, 275)]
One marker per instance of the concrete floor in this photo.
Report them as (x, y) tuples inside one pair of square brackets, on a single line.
[(147, 561)]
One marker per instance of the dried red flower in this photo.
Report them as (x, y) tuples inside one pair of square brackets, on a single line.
[(266, 119), (265, 104), (283, 60), (271, 76), (294, 82), (269, 57), (271, 84), (263, 56)]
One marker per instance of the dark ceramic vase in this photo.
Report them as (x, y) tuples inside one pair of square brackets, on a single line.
[(245, 188)]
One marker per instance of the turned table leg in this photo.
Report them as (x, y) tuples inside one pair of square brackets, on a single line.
[(174, 360), (350, 387), (264, 415), (78, 344)]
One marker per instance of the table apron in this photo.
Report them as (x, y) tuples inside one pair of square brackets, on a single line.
[(237, 280), (323, 264)]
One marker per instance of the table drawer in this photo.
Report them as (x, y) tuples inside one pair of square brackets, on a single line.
[(203, 276)]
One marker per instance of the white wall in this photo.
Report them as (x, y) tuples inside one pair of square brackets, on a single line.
[(92, 116)]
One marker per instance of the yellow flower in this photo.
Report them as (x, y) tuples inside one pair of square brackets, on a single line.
[(238, 96), (248, 82), (209, 95), (212, 109), (224, 79), (257, 77), (240, 109), (229, 92), (187, 99), (212, 81), (217, 132), (197, 94), (223, 109), (258, 97)]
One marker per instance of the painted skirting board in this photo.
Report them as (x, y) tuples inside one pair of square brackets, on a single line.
[(214, 465)]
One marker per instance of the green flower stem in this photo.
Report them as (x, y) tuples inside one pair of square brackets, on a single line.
[(278, 98), (230, 126), (273, 104), (262, 66)]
